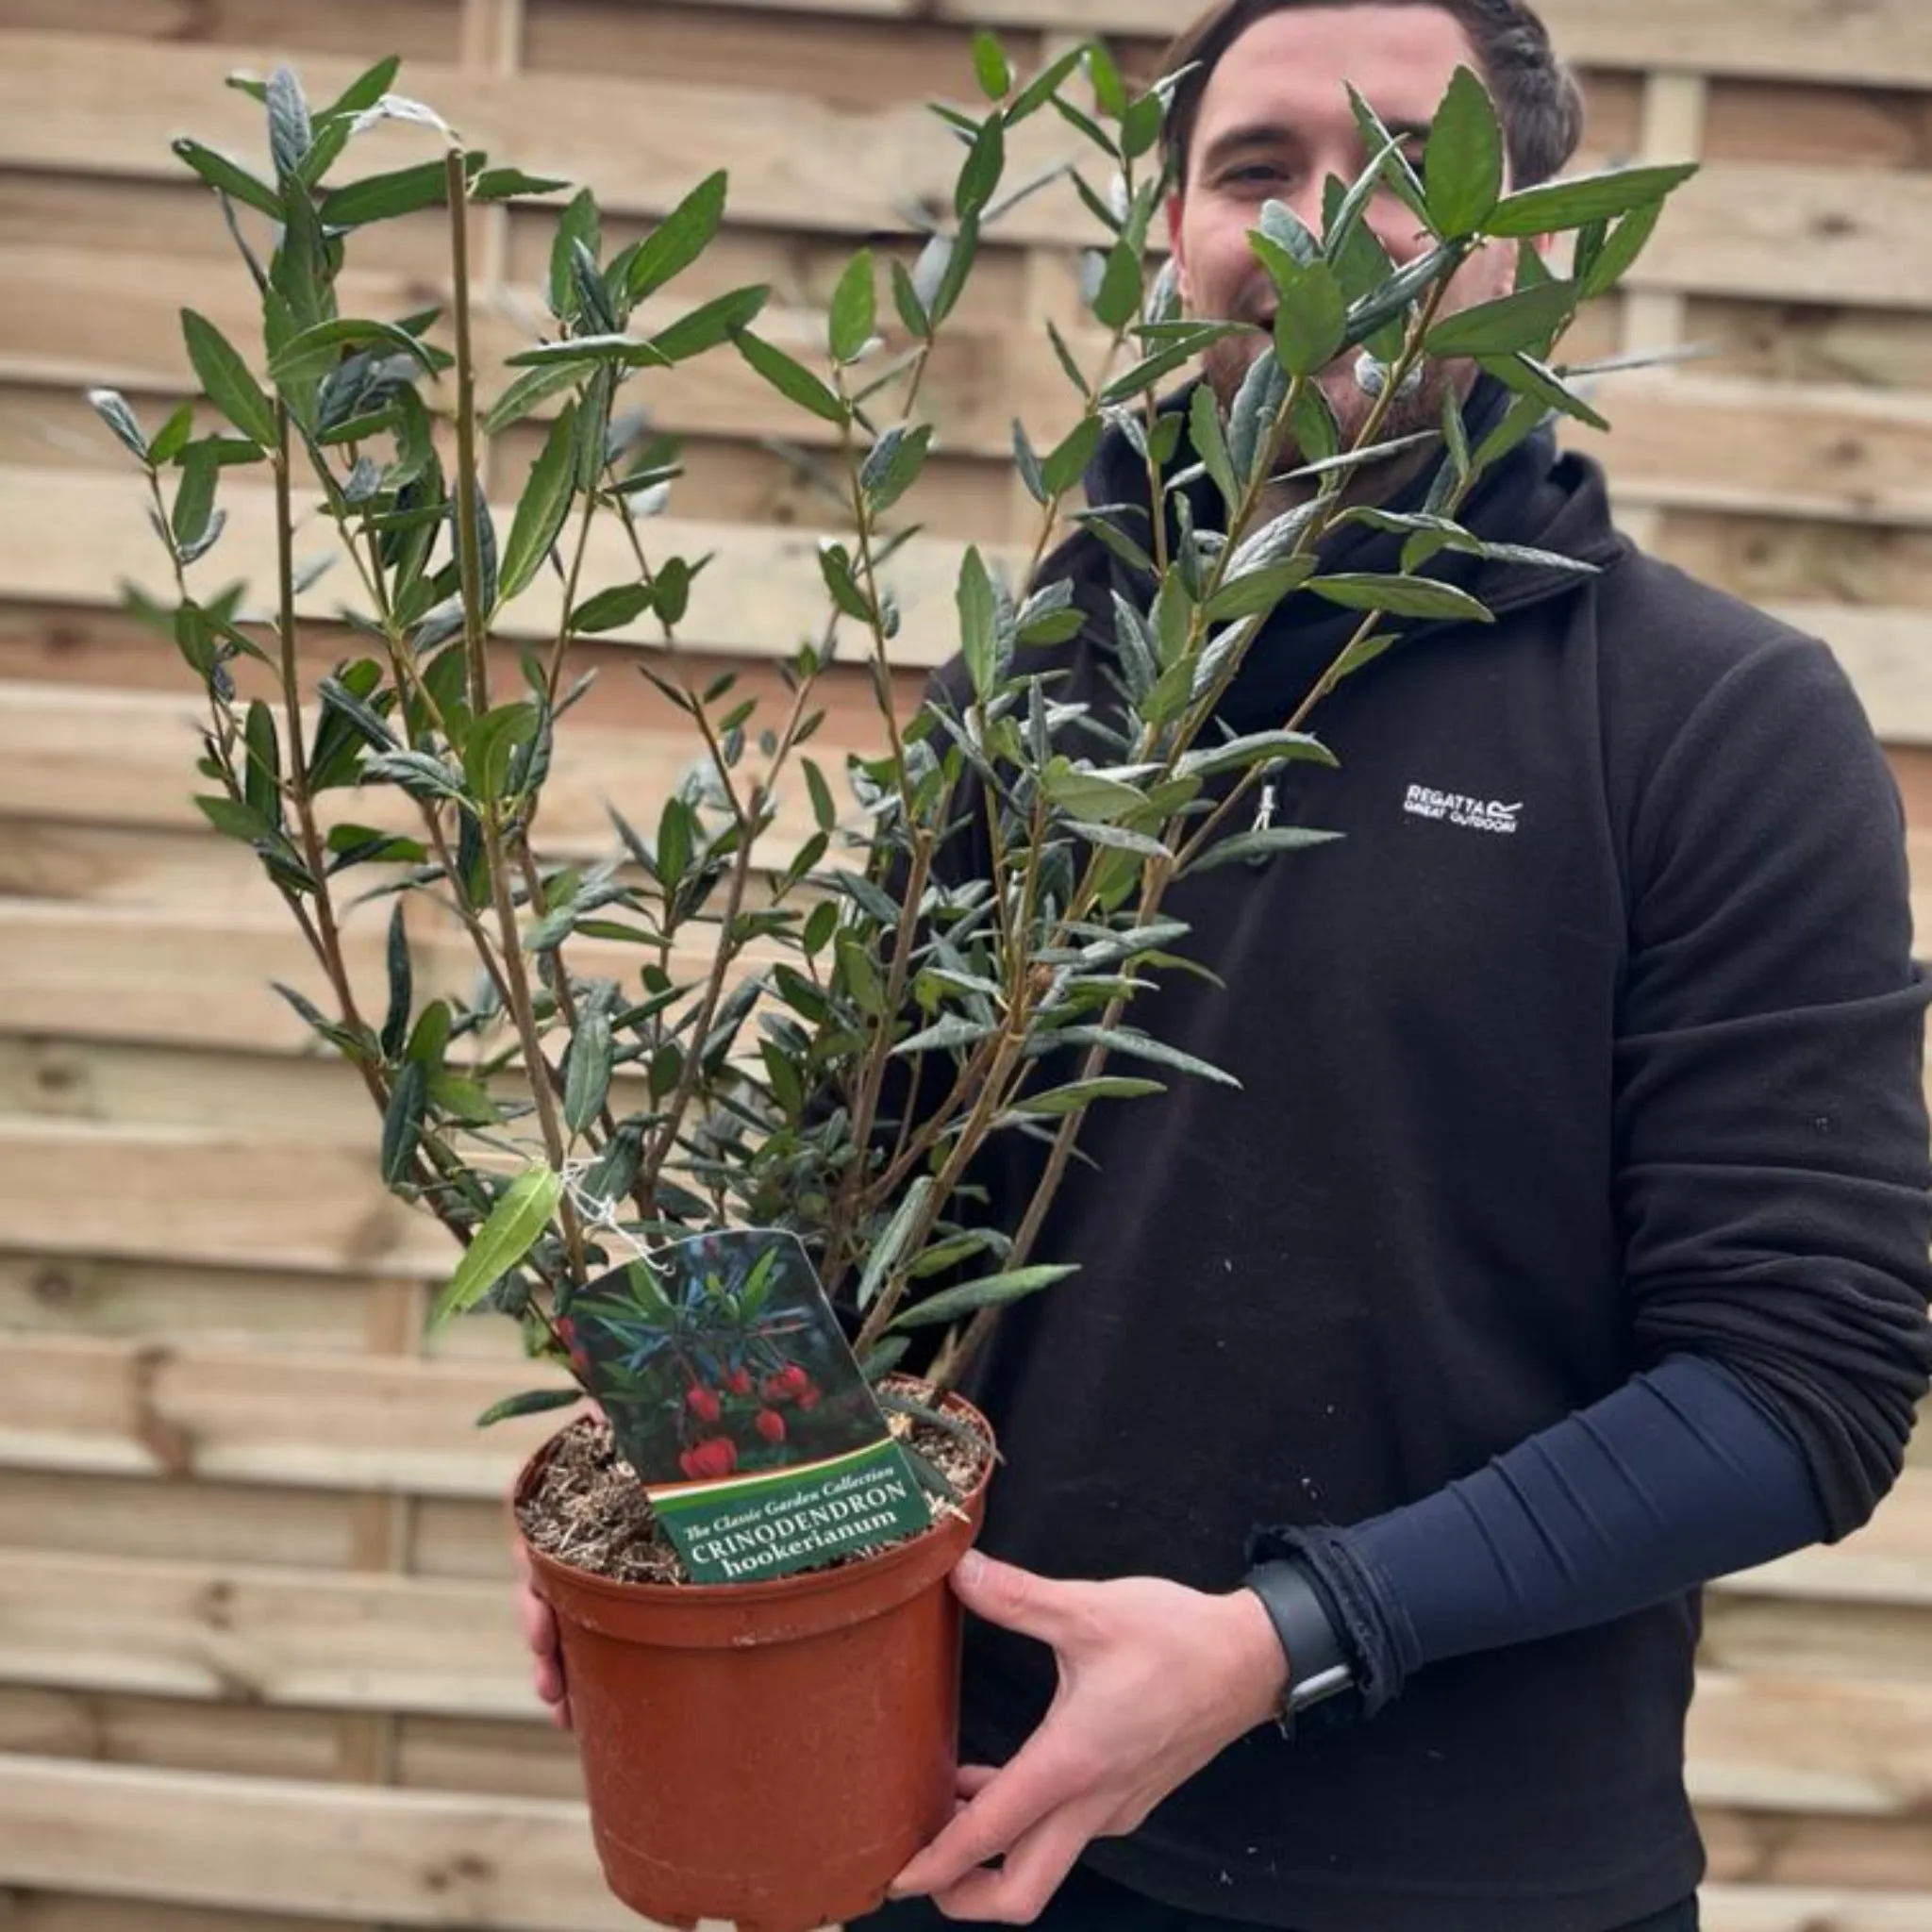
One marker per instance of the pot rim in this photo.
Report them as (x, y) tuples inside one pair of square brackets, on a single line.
[(795, 1584)]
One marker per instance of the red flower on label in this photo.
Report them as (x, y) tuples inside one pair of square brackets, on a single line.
[(714, 1456), (810, 1399), (739, 1381), (703, 1402), (770, 1424)]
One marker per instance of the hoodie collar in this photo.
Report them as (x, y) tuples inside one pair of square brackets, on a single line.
[(1533, 498)]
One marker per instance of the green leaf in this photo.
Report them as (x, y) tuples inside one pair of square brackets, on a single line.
[(429, 1039), (1526, 319), (886, 1251), (402, 1122), (381, 197), (1037, 91), (1117, 839), (893, 465), (855, 308), (991, 67), (1140, 126), (1078, 1094), (219, 172), (110, 406), (1286, 747), (1063, 467), (1531, 380), (860, 976), (1624, 243), (825, 812), (195, 500), (1554, 205), (985, 162), (542, 508), (1117, 301), (507, 183), (711, 324), (396, 1024), (1210, 444), (317, 350), (1360, 651), (586, 1081), (532, 388), (1088, 794), (1110, 91), (989, 1292), (578, 222), (978, 621), (678, 240), (225, 380), (171, 439), (515, 1226), (944, 1035), (906, 299), (1262, 844), (613, 610), (1402, 597), (1310, 321), (791, 379), (261, 778), (1397, 172), (1463, 166), (366, 90), (1260, 590), (531, 1402), (491, 746), (289, 132)]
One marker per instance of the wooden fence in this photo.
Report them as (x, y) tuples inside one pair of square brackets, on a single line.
[(257, 1665)]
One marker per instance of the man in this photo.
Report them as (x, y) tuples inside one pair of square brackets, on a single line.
[(1563, 1248)]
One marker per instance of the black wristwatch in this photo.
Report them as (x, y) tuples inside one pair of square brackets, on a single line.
[(1319, 1665)]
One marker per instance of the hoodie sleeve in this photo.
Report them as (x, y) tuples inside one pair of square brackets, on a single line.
[(1771, 1175)]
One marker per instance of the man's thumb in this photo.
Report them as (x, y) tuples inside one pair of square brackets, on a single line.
[(1014, 1598)]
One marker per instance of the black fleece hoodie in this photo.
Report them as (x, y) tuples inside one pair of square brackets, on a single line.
[(1595, 1040)]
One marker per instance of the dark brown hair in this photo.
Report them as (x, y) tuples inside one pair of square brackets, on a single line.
[(1536, 94)]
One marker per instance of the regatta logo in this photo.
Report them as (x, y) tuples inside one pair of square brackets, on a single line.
[(1473, 815)]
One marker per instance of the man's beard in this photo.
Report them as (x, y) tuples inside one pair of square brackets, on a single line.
[(1418, 406)]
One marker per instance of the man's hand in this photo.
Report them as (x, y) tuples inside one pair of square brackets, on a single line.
[(539, 1632), (1155, 1680)]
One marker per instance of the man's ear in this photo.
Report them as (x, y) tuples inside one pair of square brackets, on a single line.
[(1182, 280)]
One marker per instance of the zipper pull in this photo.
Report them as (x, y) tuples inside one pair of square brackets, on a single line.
[(1264, 812)]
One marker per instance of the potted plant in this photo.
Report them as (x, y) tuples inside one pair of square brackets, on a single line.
[(708, 1034)]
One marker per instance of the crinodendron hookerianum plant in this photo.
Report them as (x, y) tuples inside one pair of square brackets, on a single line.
[(719, 1025)]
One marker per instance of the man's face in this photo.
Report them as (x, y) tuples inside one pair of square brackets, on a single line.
[(1274, 123)]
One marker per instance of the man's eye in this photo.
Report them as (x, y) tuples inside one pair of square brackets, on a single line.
[(1255, 171)]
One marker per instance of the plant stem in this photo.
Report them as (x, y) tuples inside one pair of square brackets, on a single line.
[(537, 1067)]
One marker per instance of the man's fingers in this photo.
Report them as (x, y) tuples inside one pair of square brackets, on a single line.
[(1016, 1599), (974, 1778), (1035, 1869), (1007, 1805)]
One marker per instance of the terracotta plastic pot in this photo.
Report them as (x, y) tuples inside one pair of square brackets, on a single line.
[(768, 1753)]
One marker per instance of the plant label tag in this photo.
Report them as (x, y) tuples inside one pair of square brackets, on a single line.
[(733, 1393)]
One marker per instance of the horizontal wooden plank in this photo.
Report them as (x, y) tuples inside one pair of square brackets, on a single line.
[(52, 1911), (418, 29), (207, 980), (1890, 1560), (321, 1422), (420, 1858), (1809, 1745), (192, 1196), (81, 317), (1824, 450), (127, 758), (262, 1636), (1881, 43), (1767, 1848), (793, 160), (1828, 1636), (1740, 1909), (84, 534), (211, 1522), (797, 162), (169, 1732), (495, 1758)]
